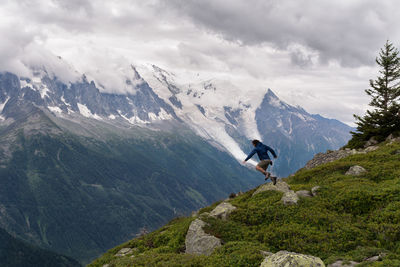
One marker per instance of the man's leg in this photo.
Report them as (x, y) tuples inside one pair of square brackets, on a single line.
[(262, 167)]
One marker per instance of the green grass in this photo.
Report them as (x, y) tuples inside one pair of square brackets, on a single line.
[(352, 218)]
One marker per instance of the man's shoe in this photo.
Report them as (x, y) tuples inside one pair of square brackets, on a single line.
[(267, 176), (273, 179)]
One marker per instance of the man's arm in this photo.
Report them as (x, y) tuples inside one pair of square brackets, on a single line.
[(272, 151), (250, 155)]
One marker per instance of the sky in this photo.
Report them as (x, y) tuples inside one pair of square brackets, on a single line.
[(316, 54)]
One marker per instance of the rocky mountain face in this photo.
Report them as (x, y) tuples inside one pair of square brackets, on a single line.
[(226, 115)]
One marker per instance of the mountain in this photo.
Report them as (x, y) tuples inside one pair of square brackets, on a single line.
[(328, 211), (16, 253), (230, 116), (84, 167), (78, 181)]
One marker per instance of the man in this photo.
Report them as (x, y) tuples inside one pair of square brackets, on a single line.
[(265, 161)]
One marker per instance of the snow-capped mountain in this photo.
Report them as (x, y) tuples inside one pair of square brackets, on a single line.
[(223, 114)]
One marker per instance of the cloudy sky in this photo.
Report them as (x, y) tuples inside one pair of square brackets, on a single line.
[(316, 54)]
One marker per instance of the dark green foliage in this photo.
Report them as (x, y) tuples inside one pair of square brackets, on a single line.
[(351, 218), (17, 253), (384, 119)]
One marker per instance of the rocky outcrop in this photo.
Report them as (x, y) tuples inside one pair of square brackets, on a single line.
[(290, 198), (371, 142), (222, 211), (280, 186), (322, 158), (303, 193), (356, 170), (198, 242), (314, 190), (285, 259)]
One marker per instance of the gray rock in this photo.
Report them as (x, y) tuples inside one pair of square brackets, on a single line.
[(280, 186), (374, 258), (341, 264), (314, 190), (371, 148), (371, 142), (222, 211), (290, 198), (291, 259), (356, 170), (304, 193), (198, 242), (124, 252)]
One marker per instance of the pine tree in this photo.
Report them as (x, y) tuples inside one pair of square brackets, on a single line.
[(384, 119)]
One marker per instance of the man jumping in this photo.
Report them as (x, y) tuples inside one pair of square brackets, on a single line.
[(265, 161)]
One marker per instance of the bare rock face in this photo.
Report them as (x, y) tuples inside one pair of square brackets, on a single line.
[(280, 186), (356, 170), (198, 242), (222, 211), (286, 259), (314, 190), (304, 193), (290, 198)]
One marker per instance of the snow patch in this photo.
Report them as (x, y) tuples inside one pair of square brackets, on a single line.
[(3, 104), (24, 83), (55, 109), (84, 110), (112, 117)]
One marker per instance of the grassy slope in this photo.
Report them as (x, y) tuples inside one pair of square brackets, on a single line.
[(352, 218)]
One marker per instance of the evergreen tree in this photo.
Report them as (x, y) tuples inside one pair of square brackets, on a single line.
[(384, 119)]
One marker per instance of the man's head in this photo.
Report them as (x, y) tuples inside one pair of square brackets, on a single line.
[(255, 142)]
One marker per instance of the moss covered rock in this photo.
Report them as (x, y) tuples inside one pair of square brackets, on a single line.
[(286, 259)]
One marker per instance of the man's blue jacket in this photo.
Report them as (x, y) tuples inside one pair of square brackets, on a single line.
[(262, 152)]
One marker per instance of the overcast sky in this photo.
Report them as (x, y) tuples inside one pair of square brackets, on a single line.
[(316, 54)]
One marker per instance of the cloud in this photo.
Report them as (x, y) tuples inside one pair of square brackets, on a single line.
[(318, 55), (349, 32)]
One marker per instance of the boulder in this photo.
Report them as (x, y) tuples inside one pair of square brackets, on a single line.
[(342, 264), (371, 142), (304, 193), (371, 148), (356, 170), (286, 259), (290, 198), (198, 242), (280, 186), (222, 211), (314, 190)]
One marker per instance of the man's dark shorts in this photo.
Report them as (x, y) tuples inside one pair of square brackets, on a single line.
[(264, 164)]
